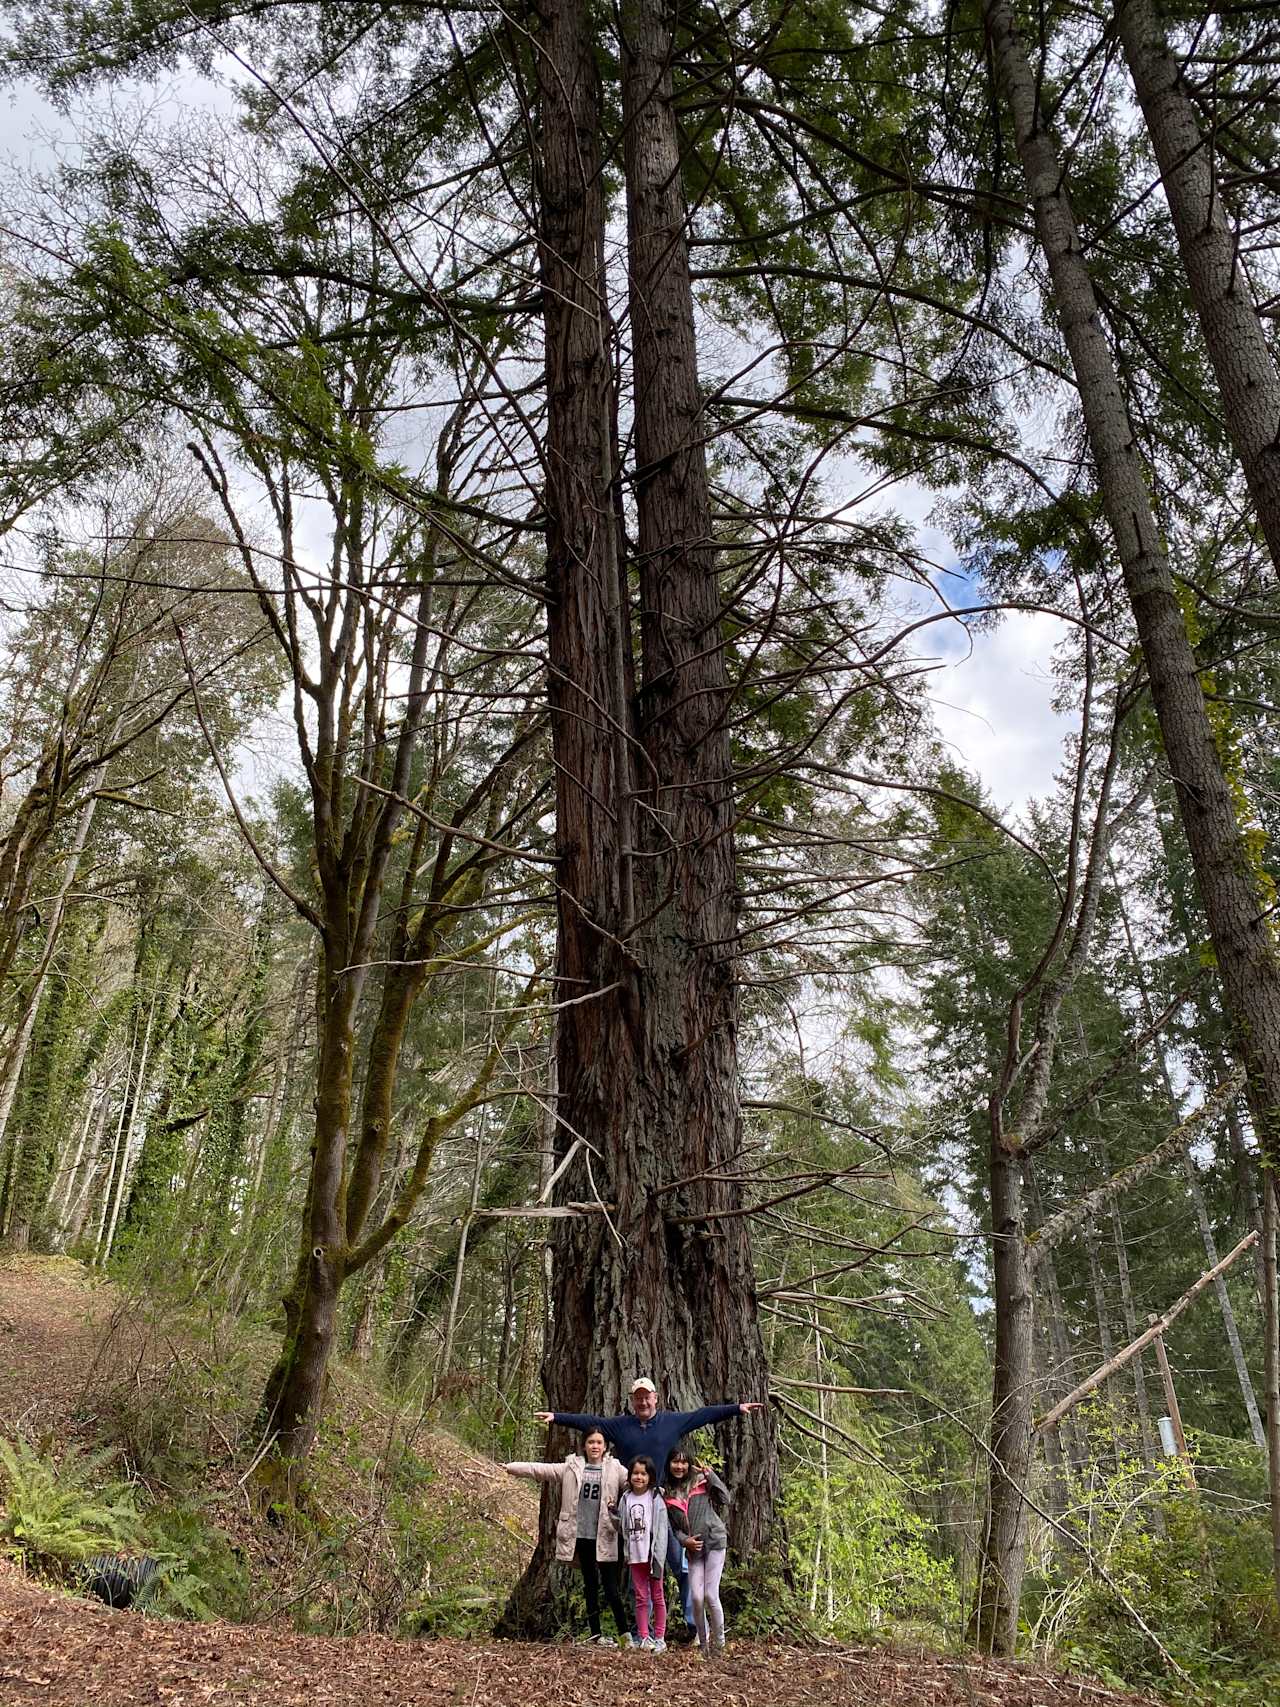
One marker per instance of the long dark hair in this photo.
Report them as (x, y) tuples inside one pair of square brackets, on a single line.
[(674, 1484), (645, 1464)]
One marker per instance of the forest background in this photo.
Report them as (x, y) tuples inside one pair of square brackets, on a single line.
[(493, 501)]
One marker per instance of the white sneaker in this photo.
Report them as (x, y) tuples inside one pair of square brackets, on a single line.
[(659, 1646), (647, 1642)]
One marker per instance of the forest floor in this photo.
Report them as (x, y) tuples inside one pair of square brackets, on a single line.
[(61, 1650)]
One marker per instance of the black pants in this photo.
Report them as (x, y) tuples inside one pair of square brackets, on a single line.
[(594, 1573)]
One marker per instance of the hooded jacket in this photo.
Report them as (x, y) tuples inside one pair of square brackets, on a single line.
[(698, 1510), (613, 1479), (658, 1532)]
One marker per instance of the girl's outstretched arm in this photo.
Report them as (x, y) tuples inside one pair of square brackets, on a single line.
[(535, 1472)]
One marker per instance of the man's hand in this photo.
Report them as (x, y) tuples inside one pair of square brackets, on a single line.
[(545, 1416), (750, 1405)]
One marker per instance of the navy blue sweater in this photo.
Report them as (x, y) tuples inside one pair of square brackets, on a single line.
[(654, 1439)]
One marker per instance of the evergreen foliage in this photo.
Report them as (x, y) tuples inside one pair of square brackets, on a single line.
[(287, 940)]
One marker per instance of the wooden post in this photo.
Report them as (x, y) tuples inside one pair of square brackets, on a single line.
[(1171, 1401)]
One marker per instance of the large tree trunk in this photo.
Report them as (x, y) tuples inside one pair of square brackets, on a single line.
[(589, 1355), (1216, 271), (1226, 870), (658, 1282), (994, 1624), (690, 997)]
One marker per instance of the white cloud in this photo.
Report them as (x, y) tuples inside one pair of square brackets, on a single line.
[(993, 706)]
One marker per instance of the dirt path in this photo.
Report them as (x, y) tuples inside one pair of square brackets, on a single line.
[(57, 1651), (51, 1322)]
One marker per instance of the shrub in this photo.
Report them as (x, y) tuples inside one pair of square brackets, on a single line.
[(60, 1514), (174, 1389), (201, 1574), (1198, 1575), (863, 1558)]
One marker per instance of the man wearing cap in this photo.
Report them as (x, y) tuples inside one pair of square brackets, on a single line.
[(646, 1431)]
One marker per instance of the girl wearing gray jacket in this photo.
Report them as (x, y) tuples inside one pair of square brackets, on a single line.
[(696, 1501), (641, 1518)]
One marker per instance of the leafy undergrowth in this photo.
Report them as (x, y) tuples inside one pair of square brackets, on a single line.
[(131, 1426)]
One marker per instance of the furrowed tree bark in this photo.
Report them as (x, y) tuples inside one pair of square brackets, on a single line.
[(690, 1007), (598, 1042), (1248, 380), (647, 1070), (1230, 887)]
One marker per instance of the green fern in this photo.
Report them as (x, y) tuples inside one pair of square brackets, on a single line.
[(63, 1513)]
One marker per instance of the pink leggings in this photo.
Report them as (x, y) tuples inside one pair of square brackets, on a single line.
[(648, 1588)]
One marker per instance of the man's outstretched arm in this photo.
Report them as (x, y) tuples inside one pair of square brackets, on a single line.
[(708, 1414), (572, 1419)]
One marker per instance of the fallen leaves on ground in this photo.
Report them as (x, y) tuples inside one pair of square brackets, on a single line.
[(51, 1320), (61, 1651)]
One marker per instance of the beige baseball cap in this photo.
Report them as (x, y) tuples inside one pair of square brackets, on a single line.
[(643, 1383)]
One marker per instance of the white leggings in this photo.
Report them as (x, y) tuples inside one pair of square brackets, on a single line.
[(704, 1586)]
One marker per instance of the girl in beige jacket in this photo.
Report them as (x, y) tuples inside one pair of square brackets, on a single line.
[(588, 1482)]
